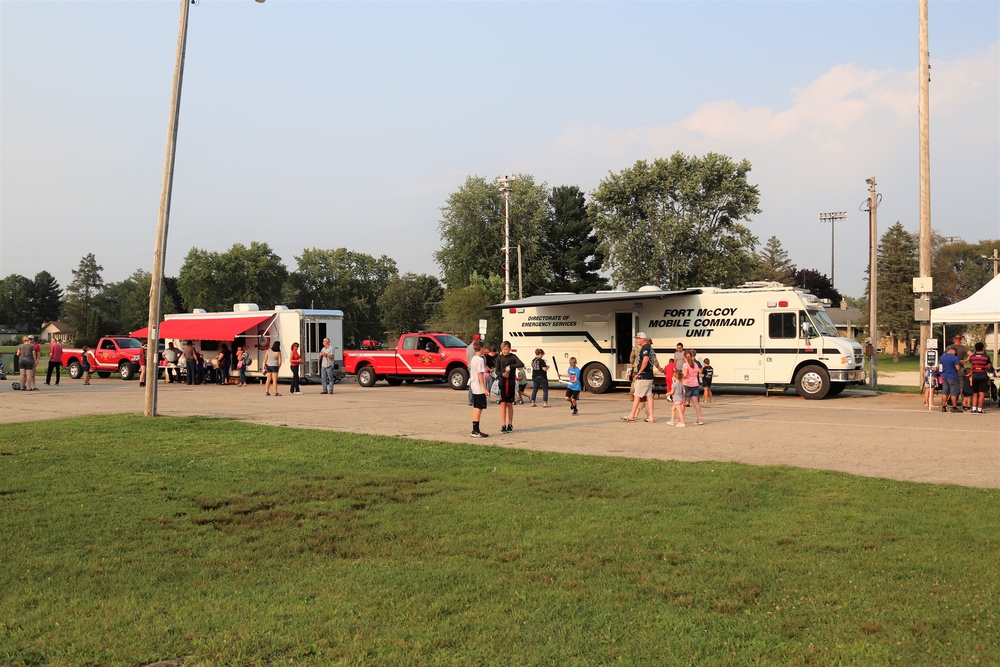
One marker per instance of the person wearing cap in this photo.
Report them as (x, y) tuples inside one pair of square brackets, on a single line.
[(644, 379), (961, 351)]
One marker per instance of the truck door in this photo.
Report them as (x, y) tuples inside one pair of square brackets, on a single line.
[(780, 347), (422, 355)]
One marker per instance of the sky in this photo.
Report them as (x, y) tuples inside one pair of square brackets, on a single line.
[(348, 124)]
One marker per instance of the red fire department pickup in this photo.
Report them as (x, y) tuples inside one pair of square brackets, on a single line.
[(418, 356), (113, 354)]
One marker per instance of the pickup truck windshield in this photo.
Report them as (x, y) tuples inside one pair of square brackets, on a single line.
[(450, 341)]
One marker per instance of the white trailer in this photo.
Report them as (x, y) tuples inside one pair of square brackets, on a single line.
[(758, 334), (258, 330)]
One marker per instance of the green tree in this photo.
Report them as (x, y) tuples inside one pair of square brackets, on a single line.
[(817, 283), (125, 304), (348, 281), (773, 263), (464, 307), (82, 295), (472, 233), (959, 268), (408, 302), (15, 302), (898, 263), (46, 298), (243, 274), (677, 223), (570, 244)]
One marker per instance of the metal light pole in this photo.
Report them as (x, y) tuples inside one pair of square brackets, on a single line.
[(833, 218), (504, 182), (872, 206), (163, 222)]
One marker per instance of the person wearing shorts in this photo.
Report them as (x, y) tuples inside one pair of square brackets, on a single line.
[(643, 379), (573, 386), (980, 364), (477, 385), (951, 384), (691, 371)]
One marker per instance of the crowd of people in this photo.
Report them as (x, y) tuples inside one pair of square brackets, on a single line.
[(963, 377)]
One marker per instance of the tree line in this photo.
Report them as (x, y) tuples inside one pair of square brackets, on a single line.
[(674, 222)]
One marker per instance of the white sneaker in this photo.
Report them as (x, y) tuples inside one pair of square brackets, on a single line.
[(681, 425)]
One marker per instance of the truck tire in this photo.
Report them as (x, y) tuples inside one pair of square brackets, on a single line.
[(104, 374), (75, 370), (812, 382), (458, 378), (127, 371), (367, 377), (394, 382), (596, 378)]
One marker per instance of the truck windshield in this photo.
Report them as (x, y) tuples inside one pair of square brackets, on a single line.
[(822, 322), (450, 341), (129, 343)]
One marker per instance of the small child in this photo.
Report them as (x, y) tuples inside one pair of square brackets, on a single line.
[(706, 378), (522, 384), (85, 365), (932, 380), (573, 385), (967, 388), (677, 399)]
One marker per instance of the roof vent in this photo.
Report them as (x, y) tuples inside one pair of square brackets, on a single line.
[(244, 307), (649, 288)]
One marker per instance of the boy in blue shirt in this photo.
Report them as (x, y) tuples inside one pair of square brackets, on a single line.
[(573, 386)]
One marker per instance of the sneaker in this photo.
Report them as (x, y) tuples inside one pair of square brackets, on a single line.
[(700, 422), (944, 408), (510, 428), (680, 425), (503, 428), (479, 434), (671, 423)]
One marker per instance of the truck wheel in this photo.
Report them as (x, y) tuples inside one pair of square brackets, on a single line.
[(596, 378), (127, 371), (394, 382), (75, 370), (458, 378), (812, 382), (104, 374), (367, 377)]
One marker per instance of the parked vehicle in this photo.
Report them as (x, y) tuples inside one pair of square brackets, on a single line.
[(431, 355), (763, 334), (257, 330), (112, 354)]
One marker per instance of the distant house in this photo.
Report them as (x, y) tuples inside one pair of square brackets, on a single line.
[(846, 320), (59, 331)]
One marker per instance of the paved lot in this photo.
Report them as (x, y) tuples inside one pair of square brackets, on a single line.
[(891, 436)]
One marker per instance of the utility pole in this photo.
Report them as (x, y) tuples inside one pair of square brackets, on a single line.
[(925, 184), (833, 218), (872, 205), (504, 182)]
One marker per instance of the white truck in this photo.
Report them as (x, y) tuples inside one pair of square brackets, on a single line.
[(258, 330), (758, 334)]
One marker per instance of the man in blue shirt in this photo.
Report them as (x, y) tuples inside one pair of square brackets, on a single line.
[(951, 369)]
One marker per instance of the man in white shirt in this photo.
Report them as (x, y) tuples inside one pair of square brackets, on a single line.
[(327, 357)]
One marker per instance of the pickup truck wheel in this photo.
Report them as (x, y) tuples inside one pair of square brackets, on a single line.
[(367, 377), (812, 382), (127, 371), (458, 378), (75, 370), (394, 382), (597, 378), (104, 374)]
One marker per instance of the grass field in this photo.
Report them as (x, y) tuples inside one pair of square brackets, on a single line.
[(213, 542)]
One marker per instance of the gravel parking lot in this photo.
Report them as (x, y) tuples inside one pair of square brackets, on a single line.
[(892, 435)]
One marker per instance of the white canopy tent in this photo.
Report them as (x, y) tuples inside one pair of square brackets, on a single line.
[(983, 307)]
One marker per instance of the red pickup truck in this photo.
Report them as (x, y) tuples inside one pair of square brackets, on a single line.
[(418, 356), (113, 354)]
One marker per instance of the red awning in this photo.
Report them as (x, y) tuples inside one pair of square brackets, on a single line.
[(204, 328)]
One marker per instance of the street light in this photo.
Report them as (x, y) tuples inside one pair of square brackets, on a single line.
[(871, 205), (833, 218), (504, 183), (160, 250)]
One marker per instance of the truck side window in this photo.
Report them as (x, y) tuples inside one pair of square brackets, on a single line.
[(108, 345), (410, 343), (781, 325)]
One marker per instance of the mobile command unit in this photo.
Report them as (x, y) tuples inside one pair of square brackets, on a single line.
[(758, 334), (257, 330)]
